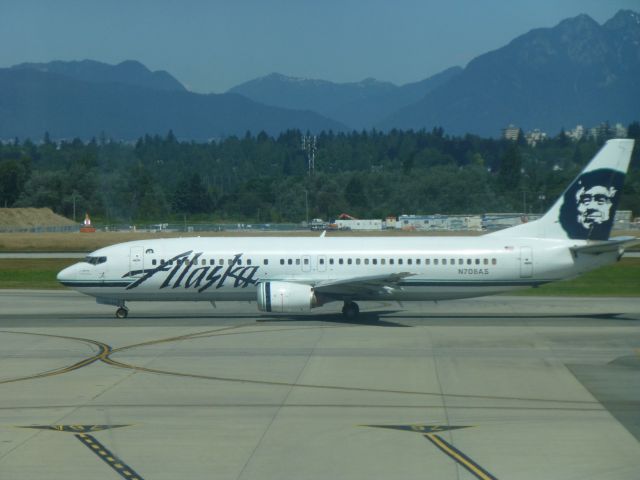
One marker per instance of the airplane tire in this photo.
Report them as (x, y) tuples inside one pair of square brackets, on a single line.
[(350, 310), (122, 312)]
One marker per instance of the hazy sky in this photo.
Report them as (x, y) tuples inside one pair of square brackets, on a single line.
[(211, 46)]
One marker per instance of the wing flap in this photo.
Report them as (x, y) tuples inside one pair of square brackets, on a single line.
[(361, 285)]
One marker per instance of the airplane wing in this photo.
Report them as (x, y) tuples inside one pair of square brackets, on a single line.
[(612, 245), (361, 285)]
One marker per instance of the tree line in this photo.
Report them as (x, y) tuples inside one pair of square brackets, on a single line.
[(263, 179)]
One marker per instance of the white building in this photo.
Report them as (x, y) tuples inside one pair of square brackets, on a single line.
[(357, 224), (534, 137), (511, 133), (439, 222)]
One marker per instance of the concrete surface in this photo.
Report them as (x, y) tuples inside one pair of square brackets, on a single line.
[(497, 387)]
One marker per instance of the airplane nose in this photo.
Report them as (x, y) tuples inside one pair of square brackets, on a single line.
[(67, 274)]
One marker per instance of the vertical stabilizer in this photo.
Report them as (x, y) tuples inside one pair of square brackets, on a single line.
[(586, 209)]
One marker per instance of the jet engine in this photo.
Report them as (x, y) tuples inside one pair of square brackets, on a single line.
[(286, 297)]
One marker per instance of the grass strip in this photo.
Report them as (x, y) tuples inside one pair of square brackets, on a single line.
[(36, 273)]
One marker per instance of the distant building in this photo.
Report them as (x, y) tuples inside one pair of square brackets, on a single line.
[(619, 131), (576, 134), (358, 224), (439, 222), (511, 133), (498, 221), (534, 137), (622, 220), (390, 222)]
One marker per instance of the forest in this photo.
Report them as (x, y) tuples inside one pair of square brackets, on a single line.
[(263, 179)]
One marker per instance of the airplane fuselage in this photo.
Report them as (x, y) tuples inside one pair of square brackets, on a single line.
[(222, 268)]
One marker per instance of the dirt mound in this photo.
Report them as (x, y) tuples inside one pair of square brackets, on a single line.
[(31, 217)]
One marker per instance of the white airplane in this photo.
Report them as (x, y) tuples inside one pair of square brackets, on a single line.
[(293, 275)]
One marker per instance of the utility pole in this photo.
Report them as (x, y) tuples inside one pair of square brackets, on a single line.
[(306, 204)]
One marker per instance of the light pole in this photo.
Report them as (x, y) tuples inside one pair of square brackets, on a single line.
[(306, 204)]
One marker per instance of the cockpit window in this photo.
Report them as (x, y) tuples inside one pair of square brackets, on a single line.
[(95, 260)]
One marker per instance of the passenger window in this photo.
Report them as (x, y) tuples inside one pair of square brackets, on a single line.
[(382, 261), (282, 261), (331, 261), (444, 261), (418, 261), (297, 261), (340, 261), (153, 262), (493, 261), (230, 261), (468, 261), (357, 261), (409, 261), (348, 261), (265, 261), (204, 262), (249, 262), (477, 261), (221, 261), (427, 261), (306, 261), (460, 261), (485, 261), (366, 261), (212, 262), (435, 261), (374, 261), (322, 261), (391, 261), (399, 261), (289, 261), (453, 261)]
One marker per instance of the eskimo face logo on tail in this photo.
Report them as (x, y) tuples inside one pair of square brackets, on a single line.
[(590, 204)]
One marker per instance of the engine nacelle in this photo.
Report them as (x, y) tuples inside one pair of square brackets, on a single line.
[(286, 297)]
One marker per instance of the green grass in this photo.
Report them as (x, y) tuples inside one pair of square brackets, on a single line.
[(619, 280), (32, 273)]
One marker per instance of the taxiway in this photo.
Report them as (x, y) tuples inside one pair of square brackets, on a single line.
[(497, 387)]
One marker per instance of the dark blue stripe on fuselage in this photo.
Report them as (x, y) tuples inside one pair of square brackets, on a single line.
[(473, 283), (72, 283)]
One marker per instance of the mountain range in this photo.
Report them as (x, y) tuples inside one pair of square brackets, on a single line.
[(578, 72)]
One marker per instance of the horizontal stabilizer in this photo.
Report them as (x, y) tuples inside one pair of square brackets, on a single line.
[(595, 248)]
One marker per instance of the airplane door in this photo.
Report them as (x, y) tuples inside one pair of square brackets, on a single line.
[(306, 263), (526, 262), (136, 260), (322, 263)]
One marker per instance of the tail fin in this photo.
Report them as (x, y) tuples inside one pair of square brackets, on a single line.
[(586, 209)]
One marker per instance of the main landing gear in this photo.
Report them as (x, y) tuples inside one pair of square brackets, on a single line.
[(122, 312), (350, 309)]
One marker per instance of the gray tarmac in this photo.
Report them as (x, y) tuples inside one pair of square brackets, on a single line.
[(497, 387)]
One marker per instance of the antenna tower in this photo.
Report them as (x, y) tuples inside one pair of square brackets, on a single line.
[(309, 145)]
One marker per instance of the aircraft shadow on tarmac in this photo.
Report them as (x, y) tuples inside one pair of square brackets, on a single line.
[(376, 318)]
